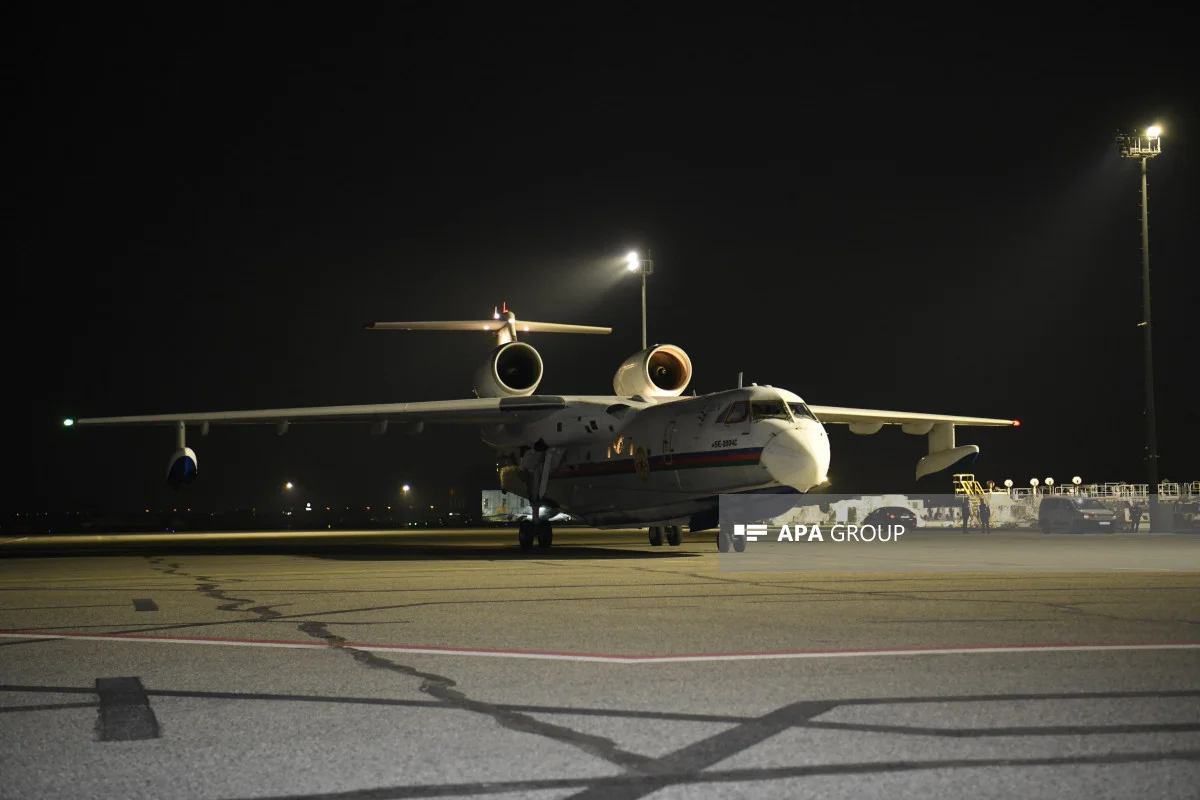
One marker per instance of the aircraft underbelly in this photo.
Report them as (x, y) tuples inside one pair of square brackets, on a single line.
[(664, 494)]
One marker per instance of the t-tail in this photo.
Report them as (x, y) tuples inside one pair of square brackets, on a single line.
[(504, 325), (513, 368)]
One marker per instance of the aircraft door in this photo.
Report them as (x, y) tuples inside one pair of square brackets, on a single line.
[(668, 448)]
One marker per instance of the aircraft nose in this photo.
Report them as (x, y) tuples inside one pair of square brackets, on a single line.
[(797, 458)]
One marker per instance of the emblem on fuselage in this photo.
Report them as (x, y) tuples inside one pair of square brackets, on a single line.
[(641, 463)]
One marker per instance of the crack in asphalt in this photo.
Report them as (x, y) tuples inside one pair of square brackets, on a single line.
[(442, 688), (437, 686)]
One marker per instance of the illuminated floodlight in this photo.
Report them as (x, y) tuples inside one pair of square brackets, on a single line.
[(1049, 481), (632, 262), (405, 488), (1154, 131), (288, 485), (1077, 480), (1008, 483), (68, 422), (1034, 482)]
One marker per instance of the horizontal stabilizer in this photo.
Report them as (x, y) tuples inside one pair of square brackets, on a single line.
[(492, 325)]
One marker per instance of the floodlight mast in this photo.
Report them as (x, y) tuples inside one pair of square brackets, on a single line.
[(1143, 147), (635, 263)]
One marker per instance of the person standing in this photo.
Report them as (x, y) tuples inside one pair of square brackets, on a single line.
[(966, 513), (1135, 517), (985, 517)]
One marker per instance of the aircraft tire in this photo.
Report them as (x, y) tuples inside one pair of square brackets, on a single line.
[(545, 535), (656, 536), (722, 542), (674, 535), (525, 535), (739, 545)]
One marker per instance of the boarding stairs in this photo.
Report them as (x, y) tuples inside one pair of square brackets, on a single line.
[(966, 486)]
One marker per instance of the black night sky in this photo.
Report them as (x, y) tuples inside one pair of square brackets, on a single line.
[(925, 215)]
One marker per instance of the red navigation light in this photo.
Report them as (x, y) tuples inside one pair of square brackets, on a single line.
[(1016, 423)]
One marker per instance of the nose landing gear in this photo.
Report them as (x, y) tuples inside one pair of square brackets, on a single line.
[(530, 531)]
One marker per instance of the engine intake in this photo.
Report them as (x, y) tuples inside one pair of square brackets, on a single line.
[(662, 371), (512, 370), (182, 468)]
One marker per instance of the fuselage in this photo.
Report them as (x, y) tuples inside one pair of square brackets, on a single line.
[(667, 460)]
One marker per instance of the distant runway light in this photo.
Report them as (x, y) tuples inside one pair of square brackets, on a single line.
[(288, 485)]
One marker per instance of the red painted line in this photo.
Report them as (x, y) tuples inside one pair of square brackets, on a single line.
[(609, 657)]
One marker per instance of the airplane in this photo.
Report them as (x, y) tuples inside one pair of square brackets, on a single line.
[(647, 455)]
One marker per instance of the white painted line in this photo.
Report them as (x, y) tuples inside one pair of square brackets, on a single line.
[(605, 658)]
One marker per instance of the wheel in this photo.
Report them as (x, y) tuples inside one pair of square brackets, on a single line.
[(545, 535), (674, 535), (525, 535), (656, 536), (739, 544), (1047, 527), (722, 542)]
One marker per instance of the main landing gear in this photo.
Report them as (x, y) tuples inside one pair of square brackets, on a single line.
[(673, 534), (531, 531)]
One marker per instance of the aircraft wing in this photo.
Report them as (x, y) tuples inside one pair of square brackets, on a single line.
[(868, 416), (471, 411), (944, 452)]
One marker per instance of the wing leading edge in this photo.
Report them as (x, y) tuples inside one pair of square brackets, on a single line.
[(868, 416), (469, 411)]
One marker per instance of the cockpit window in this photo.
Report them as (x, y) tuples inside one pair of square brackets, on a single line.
[(736, 413), (800, 411), (769, 409)]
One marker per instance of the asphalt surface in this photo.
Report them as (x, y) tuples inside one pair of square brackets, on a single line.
[(389, 665)]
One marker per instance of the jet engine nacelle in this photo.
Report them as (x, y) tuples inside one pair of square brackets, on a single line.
[(512, 370), (182, 468), (661, 371)]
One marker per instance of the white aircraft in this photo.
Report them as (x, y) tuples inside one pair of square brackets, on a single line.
[(647, 455)]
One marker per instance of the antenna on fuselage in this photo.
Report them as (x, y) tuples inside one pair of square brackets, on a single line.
[(740, 380)]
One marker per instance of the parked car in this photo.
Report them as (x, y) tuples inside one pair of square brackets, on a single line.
[(892, 515), (1075, 515)]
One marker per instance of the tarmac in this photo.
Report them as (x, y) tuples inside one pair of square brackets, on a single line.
[(399, 664)]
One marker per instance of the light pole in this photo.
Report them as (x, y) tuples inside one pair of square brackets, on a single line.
[(634, 263), (1143, 147)]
